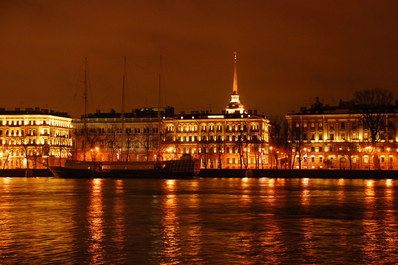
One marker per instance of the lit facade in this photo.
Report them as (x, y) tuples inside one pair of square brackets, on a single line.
[(233, 139), (109, 137), (34, 138), (219, 141), (336, 138)]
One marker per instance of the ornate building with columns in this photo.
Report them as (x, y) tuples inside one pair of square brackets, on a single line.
[(235, 138), (336, 137), (34, 138)]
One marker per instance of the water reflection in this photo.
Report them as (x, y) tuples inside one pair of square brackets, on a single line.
[(119, 216), (171, 249), (95, 220), (245, 191), (201, 221), (5, 233), (305, 192), (341, 190)]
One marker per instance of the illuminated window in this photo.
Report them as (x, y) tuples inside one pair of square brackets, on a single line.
[(342, 125)]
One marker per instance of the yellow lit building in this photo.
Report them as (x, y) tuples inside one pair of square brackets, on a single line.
[(219, 141), (34, 138), (334, 137), (133, 136), (233, 139)]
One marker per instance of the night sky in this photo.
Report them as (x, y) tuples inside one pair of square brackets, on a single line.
[(289, 52)]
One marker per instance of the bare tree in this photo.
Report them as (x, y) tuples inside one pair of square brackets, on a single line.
[(295, 143), (242, 144), (374, 104), (278, 138)]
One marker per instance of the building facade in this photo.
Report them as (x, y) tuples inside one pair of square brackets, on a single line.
[(234, 139), (219, 141), (337, 137), (34, 138), (113, 136)]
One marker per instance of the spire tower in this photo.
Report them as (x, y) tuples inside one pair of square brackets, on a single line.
[(234, 105)]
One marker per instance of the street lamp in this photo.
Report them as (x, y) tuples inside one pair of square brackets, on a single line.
[(270, 148), (388, 158)]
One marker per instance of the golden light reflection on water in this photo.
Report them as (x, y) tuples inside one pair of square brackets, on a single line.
[(118, 215), (170, 185), (305, 192), (270, 190), (5, 233), (171, 248), (195, 228), (389, 183), (370, 225), (95, 220), (369, 190), (245, 191), (341, 191)]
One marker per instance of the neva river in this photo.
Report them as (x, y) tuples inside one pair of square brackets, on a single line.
[(200, 221)]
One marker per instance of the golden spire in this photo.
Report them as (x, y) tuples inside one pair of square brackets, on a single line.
[(235, 82), (234, 105)]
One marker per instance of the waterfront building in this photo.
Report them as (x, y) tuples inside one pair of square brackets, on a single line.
[(219, 141), (236, 138), (34, 138), (116, 136), (337, 137)]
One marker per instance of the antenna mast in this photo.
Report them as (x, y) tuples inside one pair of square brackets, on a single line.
[(159, 104), (123, 106), (85, 108)]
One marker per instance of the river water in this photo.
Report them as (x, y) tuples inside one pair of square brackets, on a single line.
[(200, 221)]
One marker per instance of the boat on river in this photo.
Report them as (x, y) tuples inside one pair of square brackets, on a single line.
[(183, 168)]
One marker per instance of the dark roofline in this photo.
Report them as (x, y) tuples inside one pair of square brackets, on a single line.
[(344, 107), (33, 111), (135, 113)]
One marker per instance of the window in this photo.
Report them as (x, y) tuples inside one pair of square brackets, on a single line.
[(342, 125), (331, 137), (320, 159), (312, 159), (320, 149), (354, 126)]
